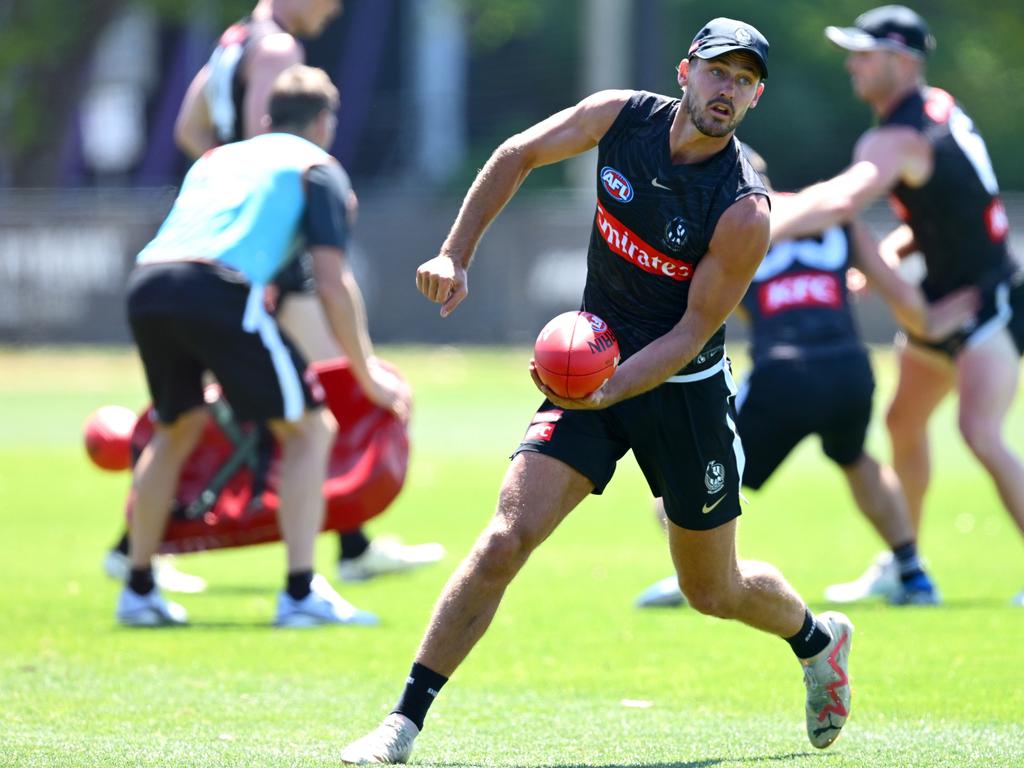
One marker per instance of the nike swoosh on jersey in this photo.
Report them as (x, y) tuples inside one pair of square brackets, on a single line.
[(659, 185), (708, 507)]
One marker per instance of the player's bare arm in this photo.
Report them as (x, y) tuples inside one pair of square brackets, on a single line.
[(272, 56), (720, 279), (906, 300), (346, 315), (193, 128), (565, 134), (883, 158)]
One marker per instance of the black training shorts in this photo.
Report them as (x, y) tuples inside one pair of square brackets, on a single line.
[(784, 401), (1002, 306), (187, 318), (682, 434)]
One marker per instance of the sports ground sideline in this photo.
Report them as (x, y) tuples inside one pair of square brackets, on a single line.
[(569, 674)]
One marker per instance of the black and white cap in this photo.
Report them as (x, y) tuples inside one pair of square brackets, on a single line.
[(889, 27), (721, 36)]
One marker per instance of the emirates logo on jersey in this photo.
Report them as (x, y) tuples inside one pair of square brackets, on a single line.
[(627, 244)]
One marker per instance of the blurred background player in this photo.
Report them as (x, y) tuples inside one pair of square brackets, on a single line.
[(928, 156), (812, 375), (227, 101), (196, 304)]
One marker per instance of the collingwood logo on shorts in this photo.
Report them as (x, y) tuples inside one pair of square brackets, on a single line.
[(714, 477)]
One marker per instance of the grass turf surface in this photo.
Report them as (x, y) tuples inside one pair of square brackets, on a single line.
[(569, 673)]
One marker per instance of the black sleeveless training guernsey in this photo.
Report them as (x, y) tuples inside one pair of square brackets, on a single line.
[(959, 222), (798, 304), (225, 86), (654, 222)]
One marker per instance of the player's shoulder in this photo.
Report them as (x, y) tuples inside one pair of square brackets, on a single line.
[(748, 218), (278, 46)]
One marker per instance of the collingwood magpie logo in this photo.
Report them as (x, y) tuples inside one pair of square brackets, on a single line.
[(743, 36), (675, 233), (714, 477)]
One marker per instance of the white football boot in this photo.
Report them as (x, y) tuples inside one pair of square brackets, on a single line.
[(388, 555), (389, 742), (149, 610), (663, 593), (321, 606), (827, 679), (116, 565), (881, 579)]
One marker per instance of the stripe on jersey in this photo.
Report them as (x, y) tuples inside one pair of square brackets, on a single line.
[(624, 242)]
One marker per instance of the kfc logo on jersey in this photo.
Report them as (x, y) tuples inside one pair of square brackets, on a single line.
[(625, 243), (616, 185), (800, 291), (675, 233)]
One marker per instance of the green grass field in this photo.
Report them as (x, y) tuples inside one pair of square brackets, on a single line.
[(557, 679)]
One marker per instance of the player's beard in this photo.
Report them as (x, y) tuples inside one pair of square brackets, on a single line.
[(707, 127)]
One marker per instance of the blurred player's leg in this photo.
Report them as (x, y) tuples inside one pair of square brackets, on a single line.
[(987, 377), (154, 480), (308, 600)]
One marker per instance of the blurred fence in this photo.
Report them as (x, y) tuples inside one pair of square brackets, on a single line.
[(64, 258)]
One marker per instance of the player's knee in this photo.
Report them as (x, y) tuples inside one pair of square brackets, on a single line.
[(501, 552), (981, 437), (709, 599)]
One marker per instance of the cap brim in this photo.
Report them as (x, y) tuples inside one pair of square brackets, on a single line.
[(714, 51), (852, 39)]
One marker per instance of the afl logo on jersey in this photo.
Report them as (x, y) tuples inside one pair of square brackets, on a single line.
[(616, 184), (675, 233)]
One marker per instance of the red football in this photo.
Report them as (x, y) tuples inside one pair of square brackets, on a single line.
[(575, 354), (108, 437)]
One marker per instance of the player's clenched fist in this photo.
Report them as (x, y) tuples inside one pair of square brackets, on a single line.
[(443, 281)]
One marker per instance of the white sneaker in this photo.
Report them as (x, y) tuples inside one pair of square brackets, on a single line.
[(663, 593), (827, 679), (881, 579), (388, 555), (150, 610), (116, 565), (321, 606), (389, 742)]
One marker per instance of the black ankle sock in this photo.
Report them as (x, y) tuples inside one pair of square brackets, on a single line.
[(141, 581), (298, 586), (907, 561), (352, 544), (421, 687), (122, 545), (812, 638)]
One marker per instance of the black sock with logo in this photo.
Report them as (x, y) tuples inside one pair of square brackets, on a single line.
[(421, 688), (812, 638)]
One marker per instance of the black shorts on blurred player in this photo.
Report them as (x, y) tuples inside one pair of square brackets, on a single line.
[(784, 401), (186, 318), (681, 434), (1002, 306)]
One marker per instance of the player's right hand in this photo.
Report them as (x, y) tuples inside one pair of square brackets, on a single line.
[(444, 282), (389, 391)]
